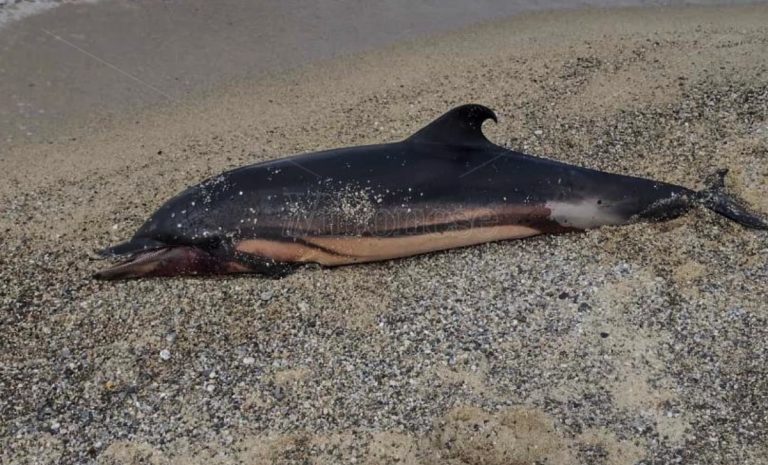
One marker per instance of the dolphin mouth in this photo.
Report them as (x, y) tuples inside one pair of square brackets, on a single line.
[(133, 247), (166, 261)]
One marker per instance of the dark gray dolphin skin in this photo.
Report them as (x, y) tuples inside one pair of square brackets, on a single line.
[(445, 186)]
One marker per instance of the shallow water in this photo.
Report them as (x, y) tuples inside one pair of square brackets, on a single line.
[(80, 61)]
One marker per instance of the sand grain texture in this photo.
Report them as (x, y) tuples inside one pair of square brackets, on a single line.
[(643, 344)]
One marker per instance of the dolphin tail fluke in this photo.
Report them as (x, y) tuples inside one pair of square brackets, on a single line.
[(716, 199)]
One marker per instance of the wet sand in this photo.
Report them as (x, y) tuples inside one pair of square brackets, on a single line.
[(78, 63), (641, 343)]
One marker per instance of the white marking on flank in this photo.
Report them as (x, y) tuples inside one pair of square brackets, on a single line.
[(584, 214)]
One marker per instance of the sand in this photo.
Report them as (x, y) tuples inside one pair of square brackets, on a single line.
[(644, 343)]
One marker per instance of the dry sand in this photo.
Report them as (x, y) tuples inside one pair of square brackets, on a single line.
[(643, 343)]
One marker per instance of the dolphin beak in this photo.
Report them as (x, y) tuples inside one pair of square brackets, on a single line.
[(169, 261)]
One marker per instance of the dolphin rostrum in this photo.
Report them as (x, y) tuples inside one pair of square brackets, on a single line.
[(445, 186)]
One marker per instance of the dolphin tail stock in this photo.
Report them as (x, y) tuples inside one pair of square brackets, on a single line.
[(715, 198)]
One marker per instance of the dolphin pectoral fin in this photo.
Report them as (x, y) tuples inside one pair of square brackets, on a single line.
[(716, 199), (459, 126)]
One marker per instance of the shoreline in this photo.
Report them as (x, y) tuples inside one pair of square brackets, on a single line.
[(64, 71)]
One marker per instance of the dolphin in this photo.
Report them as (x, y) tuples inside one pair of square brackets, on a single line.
[(443, 187)]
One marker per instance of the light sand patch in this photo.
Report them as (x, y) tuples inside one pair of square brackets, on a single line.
[(129, 453), (749, 179), (464, 436), (515, 437), (387, 447), (688, 272), (634, 393), (636, 350), (293, 376)]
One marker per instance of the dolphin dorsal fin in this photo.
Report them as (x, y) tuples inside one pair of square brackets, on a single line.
[(460, 126)]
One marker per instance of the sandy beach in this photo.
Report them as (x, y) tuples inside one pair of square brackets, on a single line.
[(638, 344)]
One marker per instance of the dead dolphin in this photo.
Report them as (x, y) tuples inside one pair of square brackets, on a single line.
[(445, 186)]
